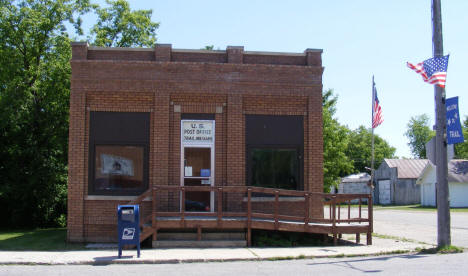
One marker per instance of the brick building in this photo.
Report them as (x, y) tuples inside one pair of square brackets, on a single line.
[(141, 118)]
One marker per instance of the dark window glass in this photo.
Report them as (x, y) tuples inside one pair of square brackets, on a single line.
[(274, 149), (119, 168), (274, 168), (118, 153)]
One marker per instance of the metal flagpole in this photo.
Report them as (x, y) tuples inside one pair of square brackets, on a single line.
[(442, 191), (372, 127)]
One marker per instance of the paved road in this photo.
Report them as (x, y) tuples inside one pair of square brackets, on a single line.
[(416, 225), (420, 225), (451, 264)]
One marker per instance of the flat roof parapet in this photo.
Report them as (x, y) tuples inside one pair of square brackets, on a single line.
[(165, 53)]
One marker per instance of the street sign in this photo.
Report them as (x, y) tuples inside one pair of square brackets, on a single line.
[(454, 130)]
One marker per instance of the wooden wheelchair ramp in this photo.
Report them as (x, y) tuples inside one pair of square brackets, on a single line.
[(337, 213)]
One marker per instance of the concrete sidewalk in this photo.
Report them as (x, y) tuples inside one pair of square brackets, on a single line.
[(157, 256)]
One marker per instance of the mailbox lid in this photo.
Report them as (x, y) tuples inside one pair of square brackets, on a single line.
[(128, 213)]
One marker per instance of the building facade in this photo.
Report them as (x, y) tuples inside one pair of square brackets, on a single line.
[(395, 181), (141, 118), (457, 184)]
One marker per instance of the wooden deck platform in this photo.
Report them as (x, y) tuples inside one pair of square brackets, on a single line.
[(338, 221)]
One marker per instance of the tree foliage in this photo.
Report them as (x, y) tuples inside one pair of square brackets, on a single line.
[(419, 133), (347, 151), (335, 141), (34, 91), (35, 71), (359, 149), (461, 149), (119, 26)]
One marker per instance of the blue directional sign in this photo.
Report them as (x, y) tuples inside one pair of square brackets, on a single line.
[(454, 130)]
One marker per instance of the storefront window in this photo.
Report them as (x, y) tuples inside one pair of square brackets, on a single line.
[(274, 168), (118, 153), (118, 168), (274, 148)]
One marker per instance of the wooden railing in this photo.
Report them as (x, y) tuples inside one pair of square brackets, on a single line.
[(248, 216), (346, 200)]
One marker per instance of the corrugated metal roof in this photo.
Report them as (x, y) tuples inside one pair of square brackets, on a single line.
[(458, 171), (407, 168)]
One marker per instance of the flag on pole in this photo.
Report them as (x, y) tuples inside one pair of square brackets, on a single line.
[(433, 70), (377, 117)]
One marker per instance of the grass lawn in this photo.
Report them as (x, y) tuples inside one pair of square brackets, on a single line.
[(52, 239)]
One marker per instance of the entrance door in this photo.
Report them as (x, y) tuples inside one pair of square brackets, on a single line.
[(197, 163), (384, 192)]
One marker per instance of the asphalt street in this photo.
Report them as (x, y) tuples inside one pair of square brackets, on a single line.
[(420, 225), (409, 264)]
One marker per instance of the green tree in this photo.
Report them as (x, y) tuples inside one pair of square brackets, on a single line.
[(34, 92), (335, 141), (461, 150), (35, 71), (419, 133), (359, 149), (119, 26)]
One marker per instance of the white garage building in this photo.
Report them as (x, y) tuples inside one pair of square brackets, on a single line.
[(457, 180)]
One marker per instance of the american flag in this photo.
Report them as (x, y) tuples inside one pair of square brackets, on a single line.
[(377, 117), (433, 70)]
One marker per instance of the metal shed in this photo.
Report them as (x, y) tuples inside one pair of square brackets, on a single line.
[(395, 181), (355, 184)]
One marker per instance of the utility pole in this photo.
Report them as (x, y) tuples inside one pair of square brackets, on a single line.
[(442, 193)]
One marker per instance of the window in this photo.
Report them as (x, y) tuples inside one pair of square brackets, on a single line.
[(118, 153), (118, 168), (275, 168), (274, 147)]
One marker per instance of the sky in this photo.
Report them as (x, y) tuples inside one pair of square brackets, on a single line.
[(359, 38)]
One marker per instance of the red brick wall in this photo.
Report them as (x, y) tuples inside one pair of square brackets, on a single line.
[(167, 83)]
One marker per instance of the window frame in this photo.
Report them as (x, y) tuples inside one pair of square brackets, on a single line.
[(95, 139)]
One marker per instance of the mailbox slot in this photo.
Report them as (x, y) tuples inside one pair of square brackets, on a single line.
[(128, 214)]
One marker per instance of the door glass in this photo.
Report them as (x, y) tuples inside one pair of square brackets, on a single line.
[(197, 162), (197, 172)]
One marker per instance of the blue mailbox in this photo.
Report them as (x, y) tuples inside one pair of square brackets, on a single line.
[(128, 222)]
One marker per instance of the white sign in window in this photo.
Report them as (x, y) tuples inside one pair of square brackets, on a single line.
[(197, 132)]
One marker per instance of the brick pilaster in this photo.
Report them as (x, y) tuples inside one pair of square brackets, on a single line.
[(79, 50), (235, 54), (162, 52), (76, 166), (235, 150), (313, 57)]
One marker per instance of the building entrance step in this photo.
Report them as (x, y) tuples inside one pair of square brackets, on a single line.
[(198, 244), (170, 239), (205, 236)]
